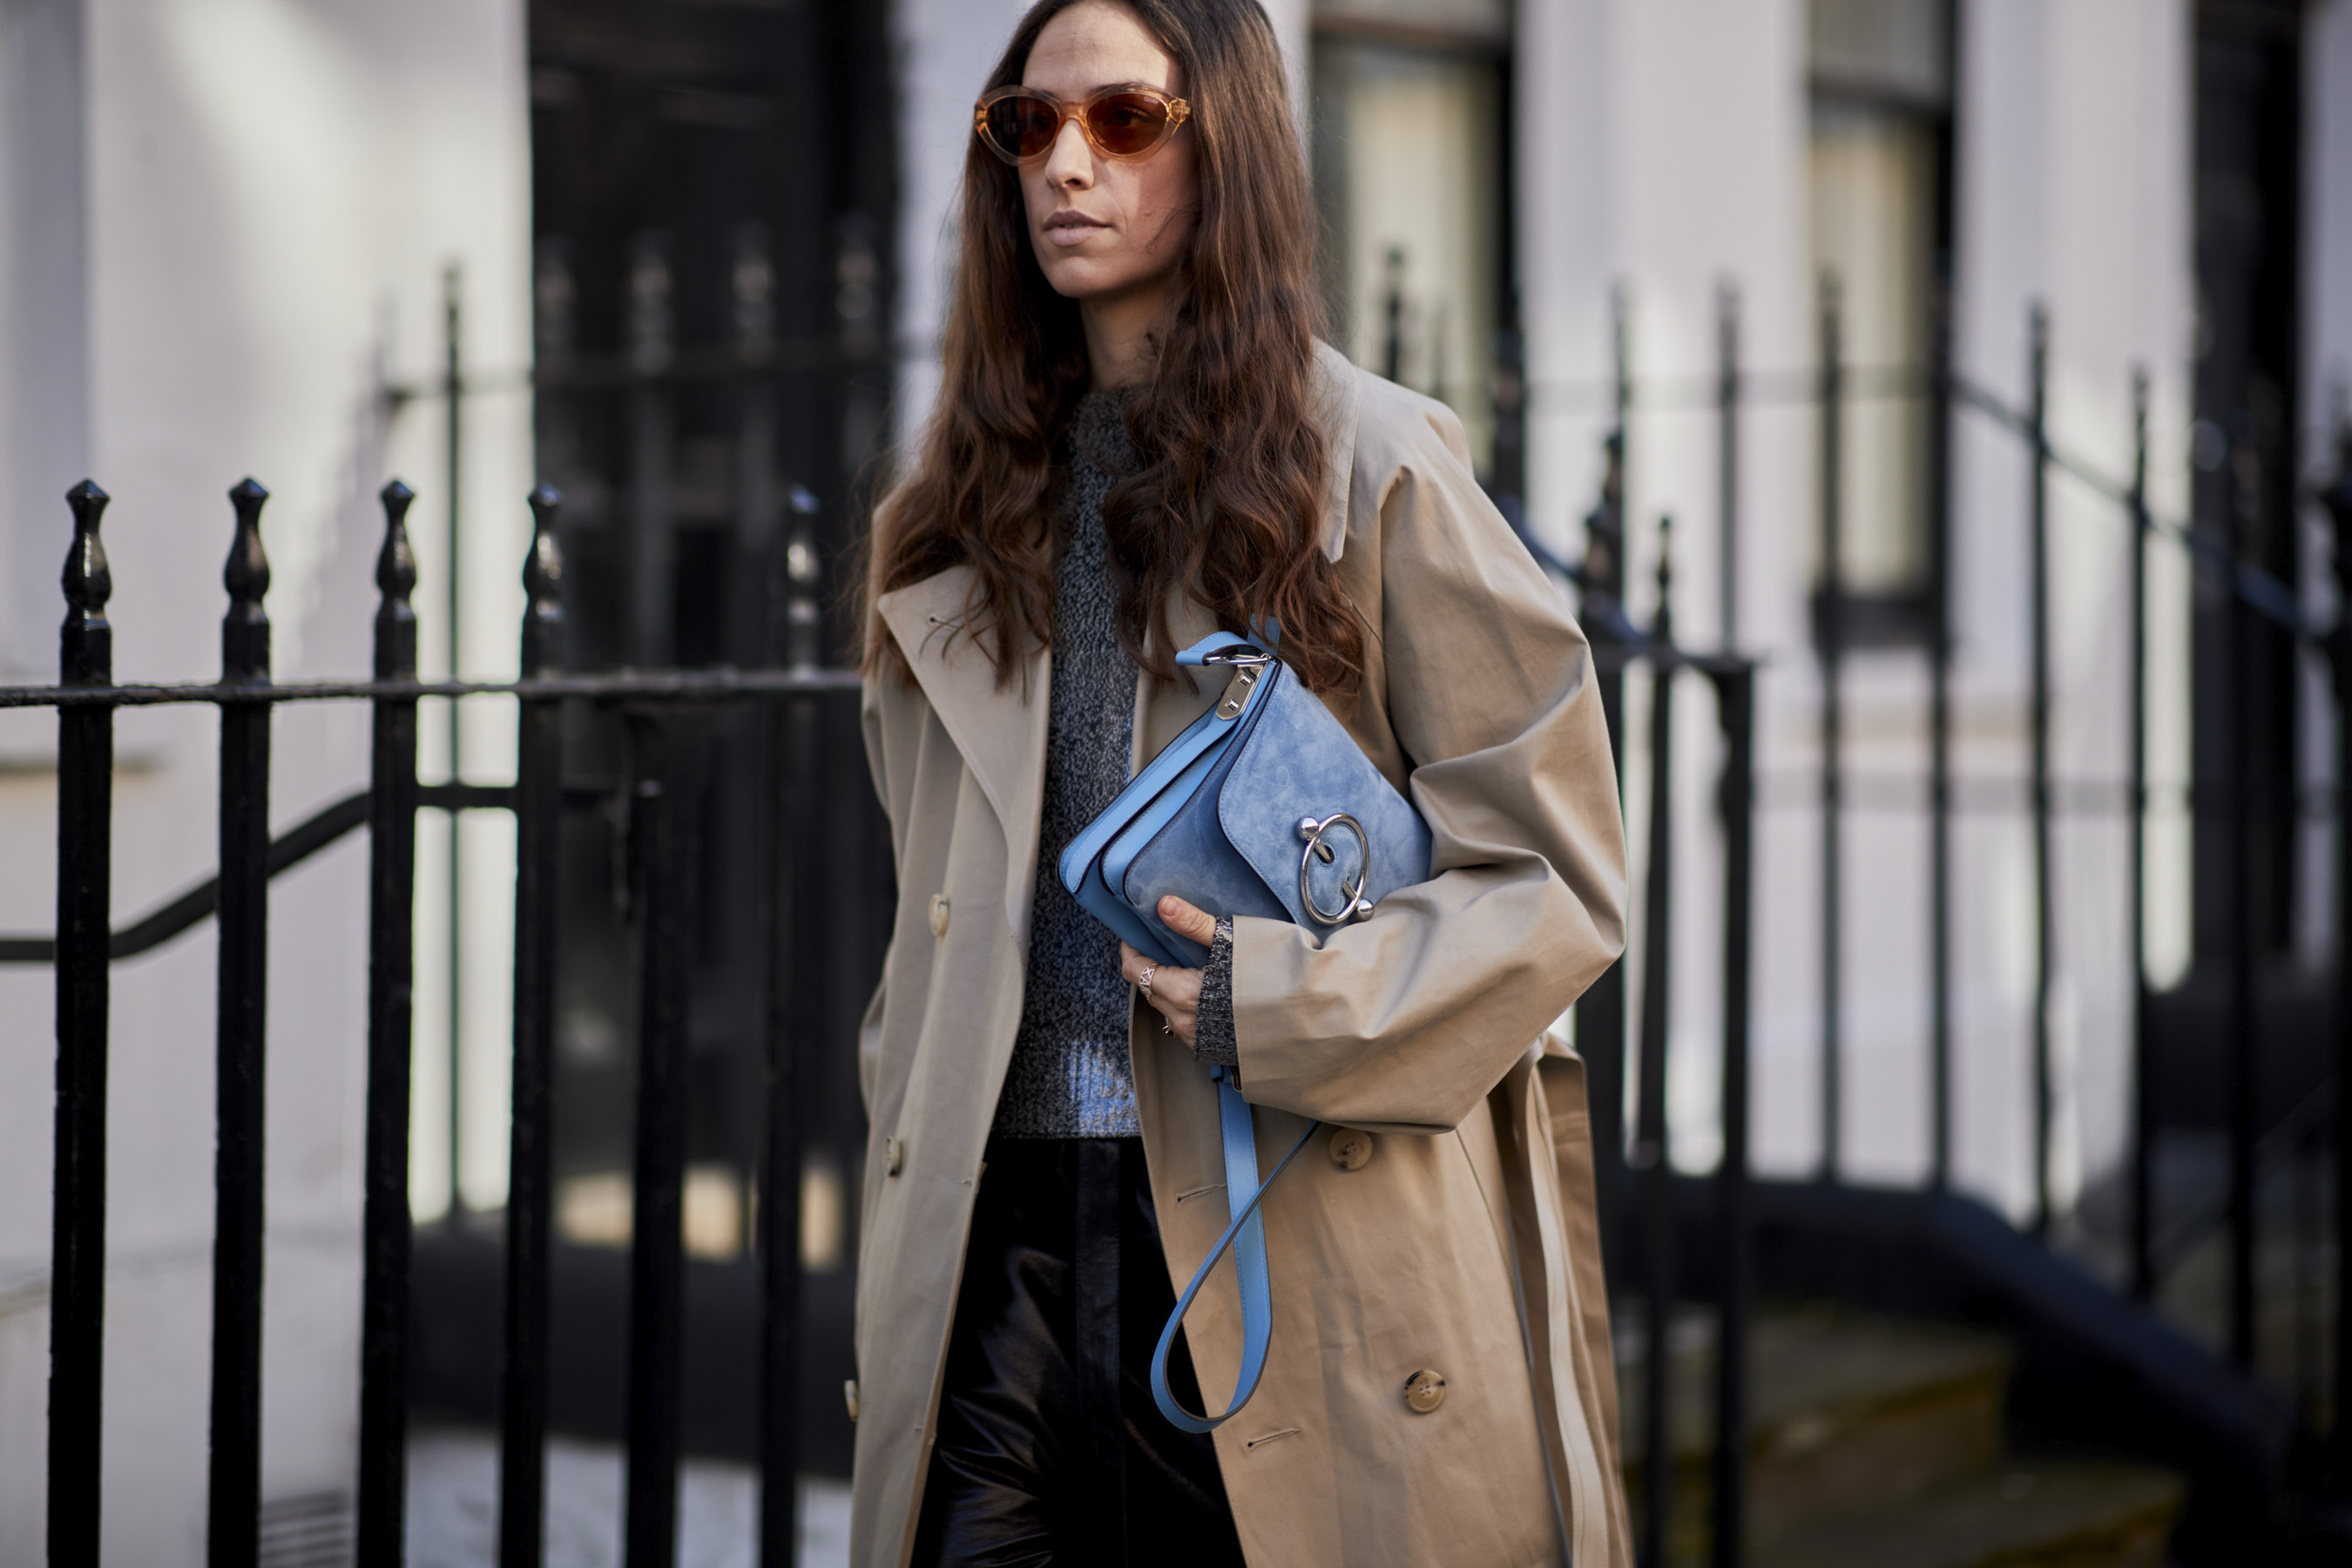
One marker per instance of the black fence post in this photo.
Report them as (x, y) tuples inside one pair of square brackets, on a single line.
[(234, 1501), (1727, 463), (453, 392), (2240, 680), (2038, 585), (1652, 1160), (2143, 1153), (1736, 707), (1939, 735), (790, 741), (2338, 498), (1831, 637), (77, 1227), (1600, 1011), (392, 968), (539, 806), (657, 1269)]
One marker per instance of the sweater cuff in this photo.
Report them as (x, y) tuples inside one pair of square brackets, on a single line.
[(1213, 1024)]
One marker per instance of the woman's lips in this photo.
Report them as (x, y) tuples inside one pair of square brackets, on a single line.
[(1067, 227)]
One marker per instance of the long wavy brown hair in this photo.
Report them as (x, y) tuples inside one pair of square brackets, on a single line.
[(1226, 502)]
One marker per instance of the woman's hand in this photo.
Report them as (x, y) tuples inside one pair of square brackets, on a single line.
[(1175, 993)]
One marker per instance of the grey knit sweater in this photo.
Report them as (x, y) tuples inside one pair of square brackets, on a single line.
[(1069, 1076)]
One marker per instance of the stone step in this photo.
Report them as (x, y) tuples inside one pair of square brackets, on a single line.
[(2016, 1514), (1847, 1411)]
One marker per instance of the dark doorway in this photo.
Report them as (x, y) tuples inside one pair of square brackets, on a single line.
[(713, 193), (2249, 174)]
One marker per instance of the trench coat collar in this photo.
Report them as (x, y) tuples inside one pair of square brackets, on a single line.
[(1339, 398), (1000, 726)]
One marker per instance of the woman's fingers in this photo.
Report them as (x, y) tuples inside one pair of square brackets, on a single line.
[(1187, 921), (1175, 993)]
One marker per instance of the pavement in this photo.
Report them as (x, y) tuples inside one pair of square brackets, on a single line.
[(452, 1487)]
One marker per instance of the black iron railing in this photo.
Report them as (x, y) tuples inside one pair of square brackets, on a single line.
[(85, 944), (1639, 1199)]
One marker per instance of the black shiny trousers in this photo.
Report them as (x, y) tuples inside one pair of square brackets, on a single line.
[(1051, 1450)]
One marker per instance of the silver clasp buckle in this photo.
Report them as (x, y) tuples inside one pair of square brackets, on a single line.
[(1353, 905)]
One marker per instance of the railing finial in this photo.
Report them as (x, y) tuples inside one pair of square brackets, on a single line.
[(1662, 630), (542, 586), (395, 579), (245, 630), (86, 652)]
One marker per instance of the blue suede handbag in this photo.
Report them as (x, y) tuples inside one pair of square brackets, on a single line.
[(1264, 805)]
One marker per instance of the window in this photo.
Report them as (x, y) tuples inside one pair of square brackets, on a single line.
[(1409, 175), (1881, 132)]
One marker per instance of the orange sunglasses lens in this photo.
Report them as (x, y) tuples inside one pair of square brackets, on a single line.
[(1021, 127), (1125, 123)]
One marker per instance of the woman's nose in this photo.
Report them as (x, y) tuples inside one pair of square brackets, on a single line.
[(1071, 163)]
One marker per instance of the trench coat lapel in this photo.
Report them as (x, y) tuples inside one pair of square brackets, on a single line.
[(998, 728)]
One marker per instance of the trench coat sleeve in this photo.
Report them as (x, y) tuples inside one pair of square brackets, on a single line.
[(1404, 1022)]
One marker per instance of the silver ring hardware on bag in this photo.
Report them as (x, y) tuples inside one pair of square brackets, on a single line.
[(1353, 905)]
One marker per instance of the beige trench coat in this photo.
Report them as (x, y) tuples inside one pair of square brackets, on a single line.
[(1425, 1026)]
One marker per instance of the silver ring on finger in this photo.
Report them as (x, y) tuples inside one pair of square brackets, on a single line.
[(1145, 982)]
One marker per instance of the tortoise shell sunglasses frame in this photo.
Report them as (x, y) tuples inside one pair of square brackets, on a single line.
[(1123, 123)]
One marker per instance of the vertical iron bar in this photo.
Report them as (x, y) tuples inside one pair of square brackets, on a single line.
[(392, 972), (2143, 1155), (1600, 1011), (453, 388), (1726, 462), (790, 750), (2240, 701), (539, 805), (656, 1272), (1939, 735), (1651, 1148), (1831, 639), (1735, 696), (2038, 567), (2338, 498), (233, 1537), (77, 1226), (652, 425)]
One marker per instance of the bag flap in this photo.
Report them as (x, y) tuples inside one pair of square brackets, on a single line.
[(1299, 762)]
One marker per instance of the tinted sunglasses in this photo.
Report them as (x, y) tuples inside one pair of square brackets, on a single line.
[(1019, 124)]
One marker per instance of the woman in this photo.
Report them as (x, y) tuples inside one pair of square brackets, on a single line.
[(1140, 442)]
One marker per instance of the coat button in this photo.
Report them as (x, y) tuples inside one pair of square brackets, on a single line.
[(938, 914), (894, 1156), (1424, 1391), (1350, 1149), (849, 1397)]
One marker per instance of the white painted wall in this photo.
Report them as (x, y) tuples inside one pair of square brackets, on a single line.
[(271, 188)]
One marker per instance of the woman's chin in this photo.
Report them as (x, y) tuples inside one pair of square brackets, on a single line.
[(1087, 278)]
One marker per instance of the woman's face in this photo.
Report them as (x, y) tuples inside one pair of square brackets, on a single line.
[(1102, 227)]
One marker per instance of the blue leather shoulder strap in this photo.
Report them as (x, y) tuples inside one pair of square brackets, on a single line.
[(1247, 1228)]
